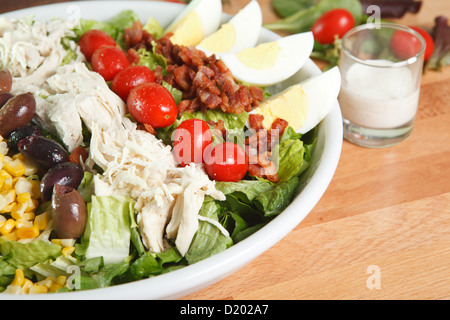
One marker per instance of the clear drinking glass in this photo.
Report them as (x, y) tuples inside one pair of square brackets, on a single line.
[(381, 69)]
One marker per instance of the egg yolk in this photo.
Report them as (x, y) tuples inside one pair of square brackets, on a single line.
[(291, 105), (220, 41), (188, 31), (261, 57)]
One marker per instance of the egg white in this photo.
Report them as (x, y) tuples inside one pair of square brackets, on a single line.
[(208, 11), (321, 93), (246, 26), (295, 50)]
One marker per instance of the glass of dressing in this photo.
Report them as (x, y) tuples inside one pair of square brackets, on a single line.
[(381, 70)]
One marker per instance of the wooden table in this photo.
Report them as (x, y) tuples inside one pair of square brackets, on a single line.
[(382, 229)]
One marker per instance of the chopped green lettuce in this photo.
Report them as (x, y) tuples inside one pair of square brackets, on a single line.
[(154, 28), (208, 240), (114, 26), (24, 255), (108, 228)]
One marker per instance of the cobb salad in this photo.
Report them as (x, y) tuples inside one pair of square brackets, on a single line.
[(127, 151)]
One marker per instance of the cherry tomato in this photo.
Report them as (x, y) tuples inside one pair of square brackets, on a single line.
[(78, 155), (404, 45), (151, 103), (109, 61), (331, 23), (190, 141), (129, 78), (92, 40), (226, 162), (429, 42)]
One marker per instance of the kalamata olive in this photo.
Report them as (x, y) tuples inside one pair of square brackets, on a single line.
[(21, 133), (43, 151), (17, 112), (4, 97), (66, 174), (69, 212), (5, 81)]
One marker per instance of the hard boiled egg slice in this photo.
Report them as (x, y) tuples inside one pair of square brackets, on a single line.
[(305, 104), (198, 20), (241, 32), (271, 62)]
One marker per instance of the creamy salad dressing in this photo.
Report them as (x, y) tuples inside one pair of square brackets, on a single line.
[(378, 98)]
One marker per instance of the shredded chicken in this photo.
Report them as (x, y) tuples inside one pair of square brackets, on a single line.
[(32, 51), (76, 95), (168, 197)]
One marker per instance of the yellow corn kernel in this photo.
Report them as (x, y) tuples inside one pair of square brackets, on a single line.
[(7, 227), (5, 174), (19, 278), (42, 220), (13, 289), (7, 184), (56, 241), (8, 208), (26, 285), (55, 287), (27, 233), (9, 195), (14, 167), (67, 251), (36, 289), (2, 157), (19, 156), (18, 211), (61, 280), (2, 220), (3, 202), (21, 223), (23, 197), (32, 205), (47, 282), (12, 236)]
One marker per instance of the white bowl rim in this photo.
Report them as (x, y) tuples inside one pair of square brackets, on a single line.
[(181, 282)]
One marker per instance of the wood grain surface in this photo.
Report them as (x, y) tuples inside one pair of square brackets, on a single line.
[(382, 228)]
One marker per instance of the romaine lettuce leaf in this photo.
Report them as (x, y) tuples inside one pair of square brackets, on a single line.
[(24, 255), (108, 229), (154, 28), (208, 240), (114, 26)]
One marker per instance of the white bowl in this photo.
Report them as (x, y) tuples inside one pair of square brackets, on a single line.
[(184, 281)]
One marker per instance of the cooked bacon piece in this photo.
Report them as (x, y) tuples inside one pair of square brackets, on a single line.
[(182, 77), (146, 127), (255, 120), (204, 80), (280, 125), (256, 170), (219, 127), (133, 34), (260, 144)]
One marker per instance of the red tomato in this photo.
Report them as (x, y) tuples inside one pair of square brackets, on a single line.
[(404, 45), (109, 61), (129, 78), (151, 103), (190, 141), (429, 42), (78, 155), (331, 23), (92, 40), (226, 162)]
